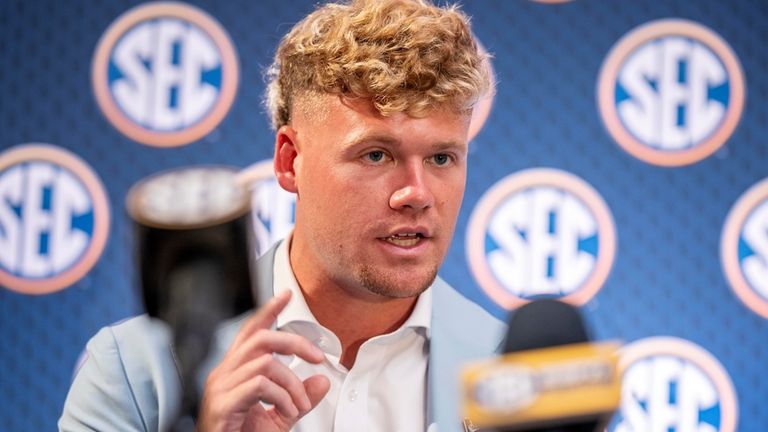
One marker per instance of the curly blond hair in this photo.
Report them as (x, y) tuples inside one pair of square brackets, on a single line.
[(404, 55)]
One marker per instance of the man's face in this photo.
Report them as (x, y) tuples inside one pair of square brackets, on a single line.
[(377, 197)]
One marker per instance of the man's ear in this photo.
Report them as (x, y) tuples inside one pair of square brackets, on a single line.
[(286, 151)]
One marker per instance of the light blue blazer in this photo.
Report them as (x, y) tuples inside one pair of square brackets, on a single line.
[(129, 380)]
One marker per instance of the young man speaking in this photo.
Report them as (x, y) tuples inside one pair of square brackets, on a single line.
[(371, 102)]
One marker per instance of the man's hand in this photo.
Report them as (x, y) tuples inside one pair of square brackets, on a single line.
[(250, 374)]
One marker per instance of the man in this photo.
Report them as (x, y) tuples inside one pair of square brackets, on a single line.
[(371, 102)]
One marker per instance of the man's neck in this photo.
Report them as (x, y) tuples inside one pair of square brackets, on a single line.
[(355, 320), (353, 314)]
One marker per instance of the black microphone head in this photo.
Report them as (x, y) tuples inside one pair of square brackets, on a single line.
[(544, 323)]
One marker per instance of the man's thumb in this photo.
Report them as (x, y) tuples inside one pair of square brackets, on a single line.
[(317, 387)]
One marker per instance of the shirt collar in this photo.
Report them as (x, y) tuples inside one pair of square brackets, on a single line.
[(298, 311)]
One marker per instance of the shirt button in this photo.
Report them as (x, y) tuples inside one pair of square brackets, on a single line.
[(352, 395), (322, 343)]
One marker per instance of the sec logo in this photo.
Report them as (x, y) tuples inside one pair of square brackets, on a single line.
[(483, 107), (671, 92), (54, 218), (540, 233), (273, 208), (670, 384), (165, 74), (744, 248)]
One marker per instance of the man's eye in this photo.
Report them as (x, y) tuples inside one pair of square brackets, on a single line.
[(441, 159), (375, 156)]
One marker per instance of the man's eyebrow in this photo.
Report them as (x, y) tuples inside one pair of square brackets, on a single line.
[(449, 145), (364, 138), (387, 140)]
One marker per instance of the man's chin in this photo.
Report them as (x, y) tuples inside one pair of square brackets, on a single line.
[(402, 284)]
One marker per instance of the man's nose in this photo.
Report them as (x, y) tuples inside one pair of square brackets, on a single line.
[(412, 192)]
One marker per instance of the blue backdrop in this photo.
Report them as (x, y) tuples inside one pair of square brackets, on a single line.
[(622, 167)]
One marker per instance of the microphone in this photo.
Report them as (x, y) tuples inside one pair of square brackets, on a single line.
[(549, 379), (194, 252)]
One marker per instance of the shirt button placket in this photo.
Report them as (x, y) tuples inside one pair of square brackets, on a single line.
[(352, 409)]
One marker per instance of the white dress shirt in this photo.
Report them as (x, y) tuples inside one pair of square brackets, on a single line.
[(385, 391)]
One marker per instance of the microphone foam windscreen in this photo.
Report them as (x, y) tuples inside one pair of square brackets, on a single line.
[(544, 323)]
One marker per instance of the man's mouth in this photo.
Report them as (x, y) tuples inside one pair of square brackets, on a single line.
[(404, 239)]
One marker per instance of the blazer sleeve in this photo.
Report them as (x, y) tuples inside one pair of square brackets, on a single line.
[(101, 397)]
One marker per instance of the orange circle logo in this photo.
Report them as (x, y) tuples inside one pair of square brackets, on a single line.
[(671, 92), (54, 218), (540, 233), (483, 107), (672, 384), (744, 248), (165, 74)]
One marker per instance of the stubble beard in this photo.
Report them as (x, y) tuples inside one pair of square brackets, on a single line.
[(386, 285)]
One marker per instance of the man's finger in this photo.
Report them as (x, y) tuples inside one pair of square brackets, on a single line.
[(262, 389), (278, 373), (270, 341), (317, 387), (264, 317)]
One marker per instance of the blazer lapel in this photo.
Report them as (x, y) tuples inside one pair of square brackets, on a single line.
[(461, 331)]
